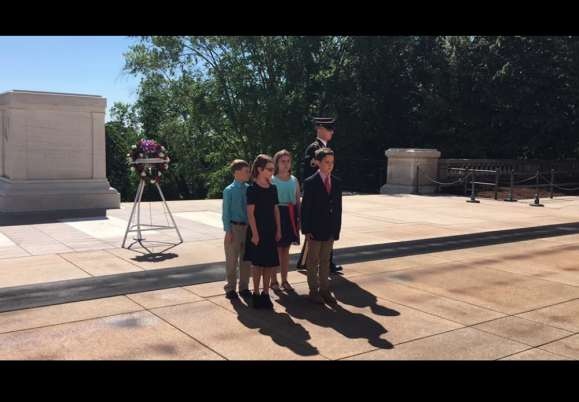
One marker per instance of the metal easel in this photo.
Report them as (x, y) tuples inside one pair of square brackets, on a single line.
[(137, 207)]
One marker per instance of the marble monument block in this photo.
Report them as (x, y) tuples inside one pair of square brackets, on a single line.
[(402, 174), (52, 152)]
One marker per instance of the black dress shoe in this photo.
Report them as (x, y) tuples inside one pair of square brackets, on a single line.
[(256, 301), (266, 301), (231, 295), (245, 293), (335, 268)]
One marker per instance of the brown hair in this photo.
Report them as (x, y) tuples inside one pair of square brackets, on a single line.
[(278, 156), (322, 153), (238, 164), (260, 161)]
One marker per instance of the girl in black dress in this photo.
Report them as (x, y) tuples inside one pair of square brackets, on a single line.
[(264, 228)]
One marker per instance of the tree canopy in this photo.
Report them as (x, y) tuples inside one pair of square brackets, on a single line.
[(211, 99)]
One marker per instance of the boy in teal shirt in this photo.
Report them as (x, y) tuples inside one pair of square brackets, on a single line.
[(235, 226)]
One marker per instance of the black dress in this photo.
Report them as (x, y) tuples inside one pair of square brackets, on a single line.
[(265, 200)]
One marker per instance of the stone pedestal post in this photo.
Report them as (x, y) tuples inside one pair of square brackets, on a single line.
[(402, 172)]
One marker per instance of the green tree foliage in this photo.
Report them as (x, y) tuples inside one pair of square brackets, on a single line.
[(502, 97), (120, 135), (212, 99)]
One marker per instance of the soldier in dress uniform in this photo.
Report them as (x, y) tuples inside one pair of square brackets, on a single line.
[(325, 131)]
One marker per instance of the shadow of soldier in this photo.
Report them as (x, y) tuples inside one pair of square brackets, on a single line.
[(279, 326), (350, 325), (351, 293)]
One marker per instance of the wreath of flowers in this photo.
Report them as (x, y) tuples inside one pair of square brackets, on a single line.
[(149, 149)]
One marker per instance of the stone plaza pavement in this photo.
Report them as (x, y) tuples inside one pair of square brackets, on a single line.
[(425, 277)]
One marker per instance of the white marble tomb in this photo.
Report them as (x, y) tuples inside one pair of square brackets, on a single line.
[(52, 152)]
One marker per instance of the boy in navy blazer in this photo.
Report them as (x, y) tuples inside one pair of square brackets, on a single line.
[(321, 223)]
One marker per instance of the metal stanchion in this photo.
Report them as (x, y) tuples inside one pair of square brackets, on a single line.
[(496, 184), (536, 203), (472, 193), (415, 191), (511, 199), (552, 181)]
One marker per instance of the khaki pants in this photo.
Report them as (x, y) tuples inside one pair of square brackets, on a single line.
[(319, 255), (233, 253)]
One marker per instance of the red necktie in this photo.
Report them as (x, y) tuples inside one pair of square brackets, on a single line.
[(327, 182)]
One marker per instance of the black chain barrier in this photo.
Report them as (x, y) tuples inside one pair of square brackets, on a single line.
[(460, 181), (560, 188)]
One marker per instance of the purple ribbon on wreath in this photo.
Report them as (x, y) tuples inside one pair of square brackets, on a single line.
[(149, 146)]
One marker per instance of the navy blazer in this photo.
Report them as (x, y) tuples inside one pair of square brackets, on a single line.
[(322, 213)]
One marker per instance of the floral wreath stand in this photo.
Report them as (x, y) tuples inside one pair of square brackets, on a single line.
[(137, 208)]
